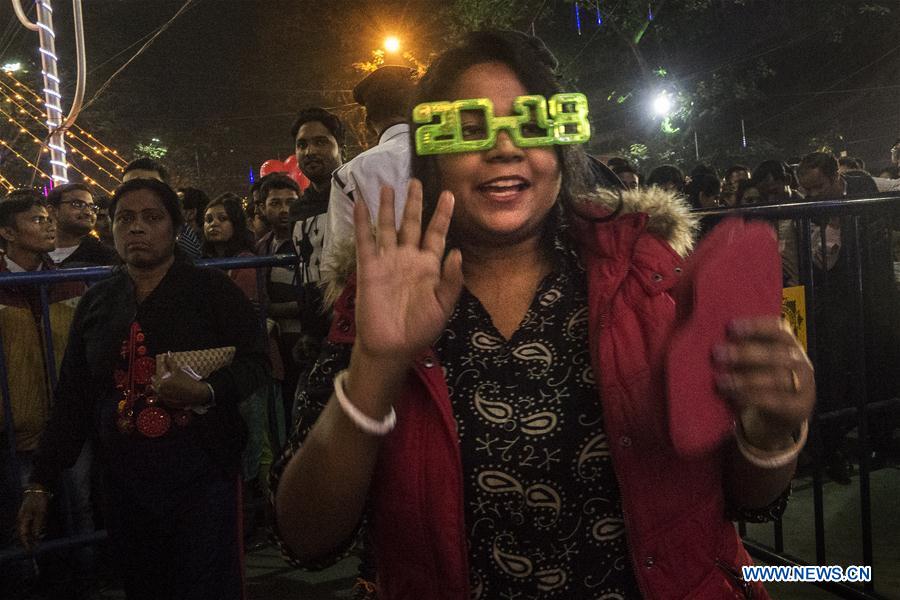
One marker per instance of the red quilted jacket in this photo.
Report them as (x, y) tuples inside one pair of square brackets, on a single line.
[(681, 544)]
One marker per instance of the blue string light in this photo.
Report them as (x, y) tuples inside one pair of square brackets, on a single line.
[(599, 16), (649, 12), (252, 178), (578, 17)]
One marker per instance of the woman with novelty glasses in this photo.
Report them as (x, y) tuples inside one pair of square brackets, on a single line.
[(492, 417)]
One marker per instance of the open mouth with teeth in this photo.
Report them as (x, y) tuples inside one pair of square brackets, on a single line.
[(506, 187)]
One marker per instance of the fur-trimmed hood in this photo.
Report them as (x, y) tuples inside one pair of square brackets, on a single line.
[(669, 219)]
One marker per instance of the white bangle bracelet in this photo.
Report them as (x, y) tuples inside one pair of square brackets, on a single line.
[(363, 422), (769, 459)]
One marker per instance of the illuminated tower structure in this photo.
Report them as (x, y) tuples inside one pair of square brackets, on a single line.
[(52, 97)]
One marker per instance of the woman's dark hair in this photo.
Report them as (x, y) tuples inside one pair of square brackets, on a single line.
[(535, 67), (242, 238), (167, 196)]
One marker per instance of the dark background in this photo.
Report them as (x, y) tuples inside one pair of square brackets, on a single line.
[(219, 88)]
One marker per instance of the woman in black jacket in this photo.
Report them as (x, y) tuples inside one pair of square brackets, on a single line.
[(169, 444)]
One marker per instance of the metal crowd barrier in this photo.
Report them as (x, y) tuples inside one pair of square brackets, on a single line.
[(851, 210), (44, 279), (853, 213)]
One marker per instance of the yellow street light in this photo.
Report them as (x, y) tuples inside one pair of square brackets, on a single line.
[(392, 44)]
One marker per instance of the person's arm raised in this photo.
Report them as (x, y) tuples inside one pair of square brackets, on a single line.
[(406, 291)]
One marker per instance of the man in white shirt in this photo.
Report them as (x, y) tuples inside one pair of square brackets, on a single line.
[(386, 95)]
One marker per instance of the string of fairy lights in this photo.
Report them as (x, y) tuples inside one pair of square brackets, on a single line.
[(21, 108), (98, 164), (77, 134)]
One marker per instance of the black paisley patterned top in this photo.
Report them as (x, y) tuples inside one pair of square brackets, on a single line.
[(542, 503)]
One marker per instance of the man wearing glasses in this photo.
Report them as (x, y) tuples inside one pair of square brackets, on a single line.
[(72, 207)]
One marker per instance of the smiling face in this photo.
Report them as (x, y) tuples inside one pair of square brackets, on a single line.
[(75, 214), (503, 194), (217, 227), (143, 230)]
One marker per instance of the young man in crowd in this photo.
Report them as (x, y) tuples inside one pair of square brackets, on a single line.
[(27, 235), (277, 195), (319, 143), (72, 207), (386, 95), (628, 175)]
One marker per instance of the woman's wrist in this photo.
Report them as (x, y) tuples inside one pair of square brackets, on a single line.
[(772, 458), (37, 489), (363, 422), (372, 383), (778, 451), (761, 433)]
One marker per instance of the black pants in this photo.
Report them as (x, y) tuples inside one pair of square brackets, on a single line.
[(182, 547)]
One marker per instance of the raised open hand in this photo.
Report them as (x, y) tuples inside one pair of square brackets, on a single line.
[(406, 289)]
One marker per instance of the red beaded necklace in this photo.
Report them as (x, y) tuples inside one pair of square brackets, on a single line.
[(133, 380)]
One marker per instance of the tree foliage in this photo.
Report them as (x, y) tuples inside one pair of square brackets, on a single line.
[(795, 74)]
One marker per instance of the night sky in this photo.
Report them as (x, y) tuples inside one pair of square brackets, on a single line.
[(221, 86)]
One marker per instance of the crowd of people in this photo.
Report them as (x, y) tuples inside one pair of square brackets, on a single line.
[(460, 374), (771, 182)]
